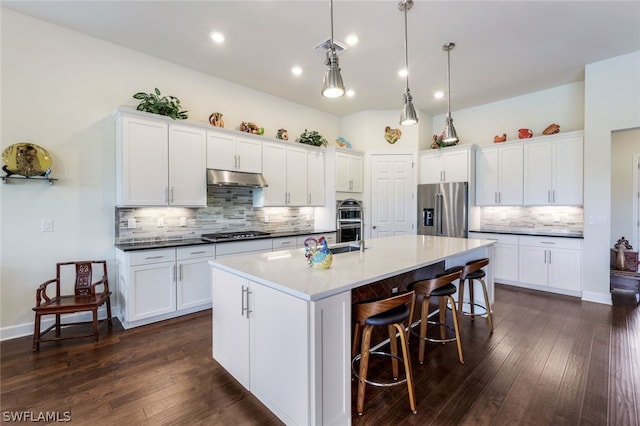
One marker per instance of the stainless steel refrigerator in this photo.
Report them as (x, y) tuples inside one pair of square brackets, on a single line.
[(442, 209)]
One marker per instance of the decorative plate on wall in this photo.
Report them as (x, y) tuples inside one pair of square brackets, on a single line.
[(26, 159)]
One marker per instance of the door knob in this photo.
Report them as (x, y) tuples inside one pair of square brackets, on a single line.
[(374, 227)]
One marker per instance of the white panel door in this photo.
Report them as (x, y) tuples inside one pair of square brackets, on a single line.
[(221, 151), (194, 283), (511, 177), (249, 155), (392, 189), (315, 178), (274, 170), (296, 176), (455, 166), (151, 291), (487, 176)]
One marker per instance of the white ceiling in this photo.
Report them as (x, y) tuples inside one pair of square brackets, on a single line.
[(503, 48)]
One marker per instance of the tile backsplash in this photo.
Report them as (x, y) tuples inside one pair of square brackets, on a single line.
[(537, 217), (228, 210)]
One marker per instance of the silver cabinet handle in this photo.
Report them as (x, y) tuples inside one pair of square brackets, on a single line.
[(548, 196), (545, 256), (153, 257), (499, 197), (248, 308), (181, 272), (549, 257), (238, 161), (174, 273), (166, 194), (244, 290), (553, 196), (171, 198)]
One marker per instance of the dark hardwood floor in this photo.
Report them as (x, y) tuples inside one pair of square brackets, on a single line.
[(552, 360)]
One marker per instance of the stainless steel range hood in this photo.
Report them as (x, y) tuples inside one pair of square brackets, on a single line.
[(229, 178)]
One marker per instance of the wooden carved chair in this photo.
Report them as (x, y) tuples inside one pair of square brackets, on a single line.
[(85, 298)]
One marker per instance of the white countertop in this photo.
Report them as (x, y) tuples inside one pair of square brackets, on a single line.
[(289, 272)]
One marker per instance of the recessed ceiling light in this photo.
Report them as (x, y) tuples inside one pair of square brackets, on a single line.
[(403, 73), (351, 93), (296, 70), (217, 37), (352, 40), (438, 95)]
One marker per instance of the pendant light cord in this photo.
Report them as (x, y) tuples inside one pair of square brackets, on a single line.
[(449, 80), (406, 45), (331, 10)]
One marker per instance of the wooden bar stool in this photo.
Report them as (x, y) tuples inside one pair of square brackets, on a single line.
[(390, 312), (441, 286), (471, 271)]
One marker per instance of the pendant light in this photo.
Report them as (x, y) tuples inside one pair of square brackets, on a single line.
[(332, 85), (408, 114), (450, 135)]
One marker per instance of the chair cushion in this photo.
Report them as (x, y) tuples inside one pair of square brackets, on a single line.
[(449, 271), (392, 316), (476, 275), (445, 290)]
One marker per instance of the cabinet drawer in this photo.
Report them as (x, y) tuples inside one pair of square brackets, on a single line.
[(147, 257), (194, 252), (284, 243), (238, 247), (551, 242)]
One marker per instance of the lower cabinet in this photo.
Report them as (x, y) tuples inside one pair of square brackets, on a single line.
[(544, 263), (163, 283), (274, 367), (552, 262)]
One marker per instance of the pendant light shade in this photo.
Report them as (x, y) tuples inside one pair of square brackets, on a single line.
[(408, 114), (450, 135), (332, 85)]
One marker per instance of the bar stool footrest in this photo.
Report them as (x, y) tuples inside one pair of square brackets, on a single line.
[(378, 384), (434, 340)]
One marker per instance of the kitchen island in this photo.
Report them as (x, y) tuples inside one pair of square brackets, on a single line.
[(283, 330)]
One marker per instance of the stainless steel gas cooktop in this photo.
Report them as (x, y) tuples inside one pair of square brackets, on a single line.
[(232, 236)]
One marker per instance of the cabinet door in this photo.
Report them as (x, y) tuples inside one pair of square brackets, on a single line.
[(565, 268), (356, 173), (487, 176), (187, 166), (510, 175), (280, 361), (343, 179), (221, 151), (249, 155), (315, 178), (151, 291), (431, 168), (274, 170), (455, 166), (296, 176), (567, 161), (231, 325), (533, 265), (506, 262), (144, 163), (537, 174), (194, 283)]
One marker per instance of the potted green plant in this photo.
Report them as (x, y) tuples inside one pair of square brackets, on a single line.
[(312, 138), (165, 105)]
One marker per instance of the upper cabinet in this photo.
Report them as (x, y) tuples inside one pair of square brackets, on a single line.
[(451, 164), (553, 170), (159, 163), (295, 174), (499, 175), (226, 151), (349, 171)]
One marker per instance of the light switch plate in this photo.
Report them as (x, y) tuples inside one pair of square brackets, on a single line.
[(131, 223), (47, 225)]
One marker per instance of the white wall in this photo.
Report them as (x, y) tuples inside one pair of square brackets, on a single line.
[(58, 91), (625, 146), (612, 102)]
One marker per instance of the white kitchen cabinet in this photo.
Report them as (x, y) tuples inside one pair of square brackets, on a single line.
[(244, 315), (283, 243), (159, 284), (505, 261), (235, 248), (193, 281), (446, 165), (553, 170), (551, 262), (295, 176), (159, 163), (499, 177), (349, 171), (227, 151)]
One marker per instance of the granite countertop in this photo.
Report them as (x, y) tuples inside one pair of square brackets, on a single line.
[(542, 232), (181, 242), (288, 271)]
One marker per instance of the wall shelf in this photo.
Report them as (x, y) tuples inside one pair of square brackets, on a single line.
[(7, 179)]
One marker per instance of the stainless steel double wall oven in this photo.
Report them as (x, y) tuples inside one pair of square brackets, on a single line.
[(349, 220)]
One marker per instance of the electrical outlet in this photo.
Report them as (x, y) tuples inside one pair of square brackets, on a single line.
[(394, 290), (47, 225), (266, 219), (131, 223), (183, 221), (161, 221)]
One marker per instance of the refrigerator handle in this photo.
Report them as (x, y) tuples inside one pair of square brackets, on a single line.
[(439, 214)]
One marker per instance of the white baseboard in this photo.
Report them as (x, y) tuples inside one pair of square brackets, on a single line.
[(21, 330), (590, 296)]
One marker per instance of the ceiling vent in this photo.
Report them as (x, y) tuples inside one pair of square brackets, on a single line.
[(324, 46)]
